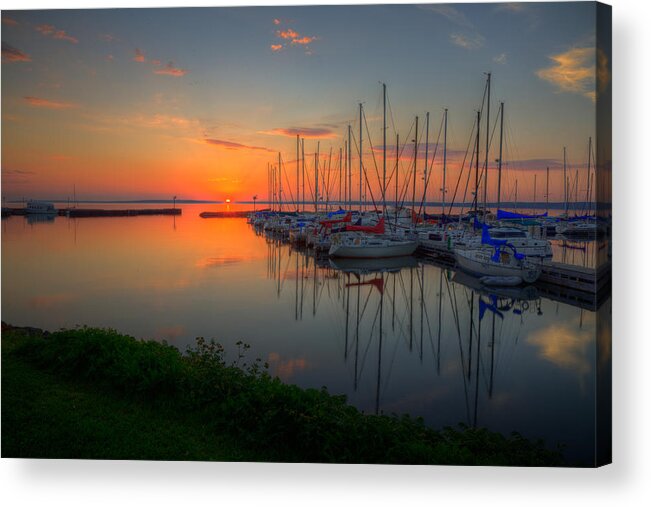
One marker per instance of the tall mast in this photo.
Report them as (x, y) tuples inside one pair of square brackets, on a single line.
[(445, 159), (587, 192), (384, 149), (316, 178), (488, 113), (499, 163), (280, 184), (516, 194), (413, 186), (547, 190), (360, 156), (350, 169), (535, 176), (565, 180), (303, 169), (477, 163), (345, 197), (340, 173), (298, 142), (426, 153), (397, 165)]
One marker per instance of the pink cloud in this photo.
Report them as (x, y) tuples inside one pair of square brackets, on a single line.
[(48, 104), (303, 40), (52, 31), (306, 132), (170, 70), (155, 62), (11, 54), (288, 34), (140, 56), (234, 146), (276, 21), (9, 21), (276, 47)]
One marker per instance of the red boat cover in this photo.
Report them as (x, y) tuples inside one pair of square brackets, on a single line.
[(376, 229)]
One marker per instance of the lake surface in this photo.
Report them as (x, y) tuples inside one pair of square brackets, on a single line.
[(414, 339)]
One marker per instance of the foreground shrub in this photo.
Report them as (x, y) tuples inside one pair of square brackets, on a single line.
[(284, 421)]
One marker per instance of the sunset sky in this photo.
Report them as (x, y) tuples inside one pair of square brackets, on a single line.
[(152, 103)]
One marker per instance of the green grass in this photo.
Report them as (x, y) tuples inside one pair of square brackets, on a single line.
[(93, 393)]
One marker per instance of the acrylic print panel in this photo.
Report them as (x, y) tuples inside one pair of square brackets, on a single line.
[(346, 234)]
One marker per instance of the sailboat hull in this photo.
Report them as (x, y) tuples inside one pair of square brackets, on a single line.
[(479, 263), (368, 250)]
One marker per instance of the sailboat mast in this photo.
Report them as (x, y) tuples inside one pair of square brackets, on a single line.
[(499, 162), (397, 165), (547, 191), (488, 113), (535, 176), (445, 159), (360, 157), (477, 163), (426, 156), (350, 170), (384, 148), (565, 180), (340, 173), (316, 178), (303, 169), (587, 192), (298, 142), (413, 187), (280, 184)]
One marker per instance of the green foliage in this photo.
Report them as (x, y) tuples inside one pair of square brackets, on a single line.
[(282, 422)]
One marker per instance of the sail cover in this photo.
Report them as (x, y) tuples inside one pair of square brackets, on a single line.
[(509, 215)]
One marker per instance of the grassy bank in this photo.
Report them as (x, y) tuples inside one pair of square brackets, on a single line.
[(92, 393)]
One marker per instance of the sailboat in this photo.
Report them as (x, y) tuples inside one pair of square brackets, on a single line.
[(496, 261)]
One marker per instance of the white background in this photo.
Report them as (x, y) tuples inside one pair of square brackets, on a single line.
[(626, 482)]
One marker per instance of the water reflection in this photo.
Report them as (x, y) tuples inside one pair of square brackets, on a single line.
[(406, 336)]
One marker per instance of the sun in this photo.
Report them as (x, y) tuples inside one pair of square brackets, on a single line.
[(228, 201)]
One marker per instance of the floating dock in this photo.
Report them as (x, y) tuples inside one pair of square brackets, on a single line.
[(91, 212)]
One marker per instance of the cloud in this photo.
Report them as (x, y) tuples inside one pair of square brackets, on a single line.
[(11, 54), (468, 41), (501, 59), (276, 47), (140, 56), (109, 58), (234, 146), (449, 12), (303, 40), (48, 104), (9, 21), (573, 71), (170, 70), (603, 70), (276, 21), (306, 132), (563, 346), (157, 63), (288, 34), (52, 31)]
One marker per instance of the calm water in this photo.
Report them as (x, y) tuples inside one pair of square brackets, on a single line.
[(414, 339)]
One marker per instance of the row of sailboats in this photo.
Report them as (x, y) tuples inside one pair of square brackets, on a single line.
[(504, 248)]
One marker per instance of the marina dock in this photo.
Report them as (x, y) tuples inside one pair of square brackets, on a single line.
[(91, 212)]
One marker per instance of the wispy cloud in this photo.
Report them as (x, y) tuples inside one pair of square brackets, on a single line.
[(230, 145), (107, 37), (573, 71), (53, 32), (306, 132), (468, 41), (48, 104), (449, 12), (6, 20), (501, 59), (11, 54), (304, 40), (171, 70), (287, 34), (139, 56), (294, 38)]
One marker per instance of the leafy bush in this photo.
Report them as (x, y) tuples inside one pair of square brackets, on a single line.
[(283, 421)]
